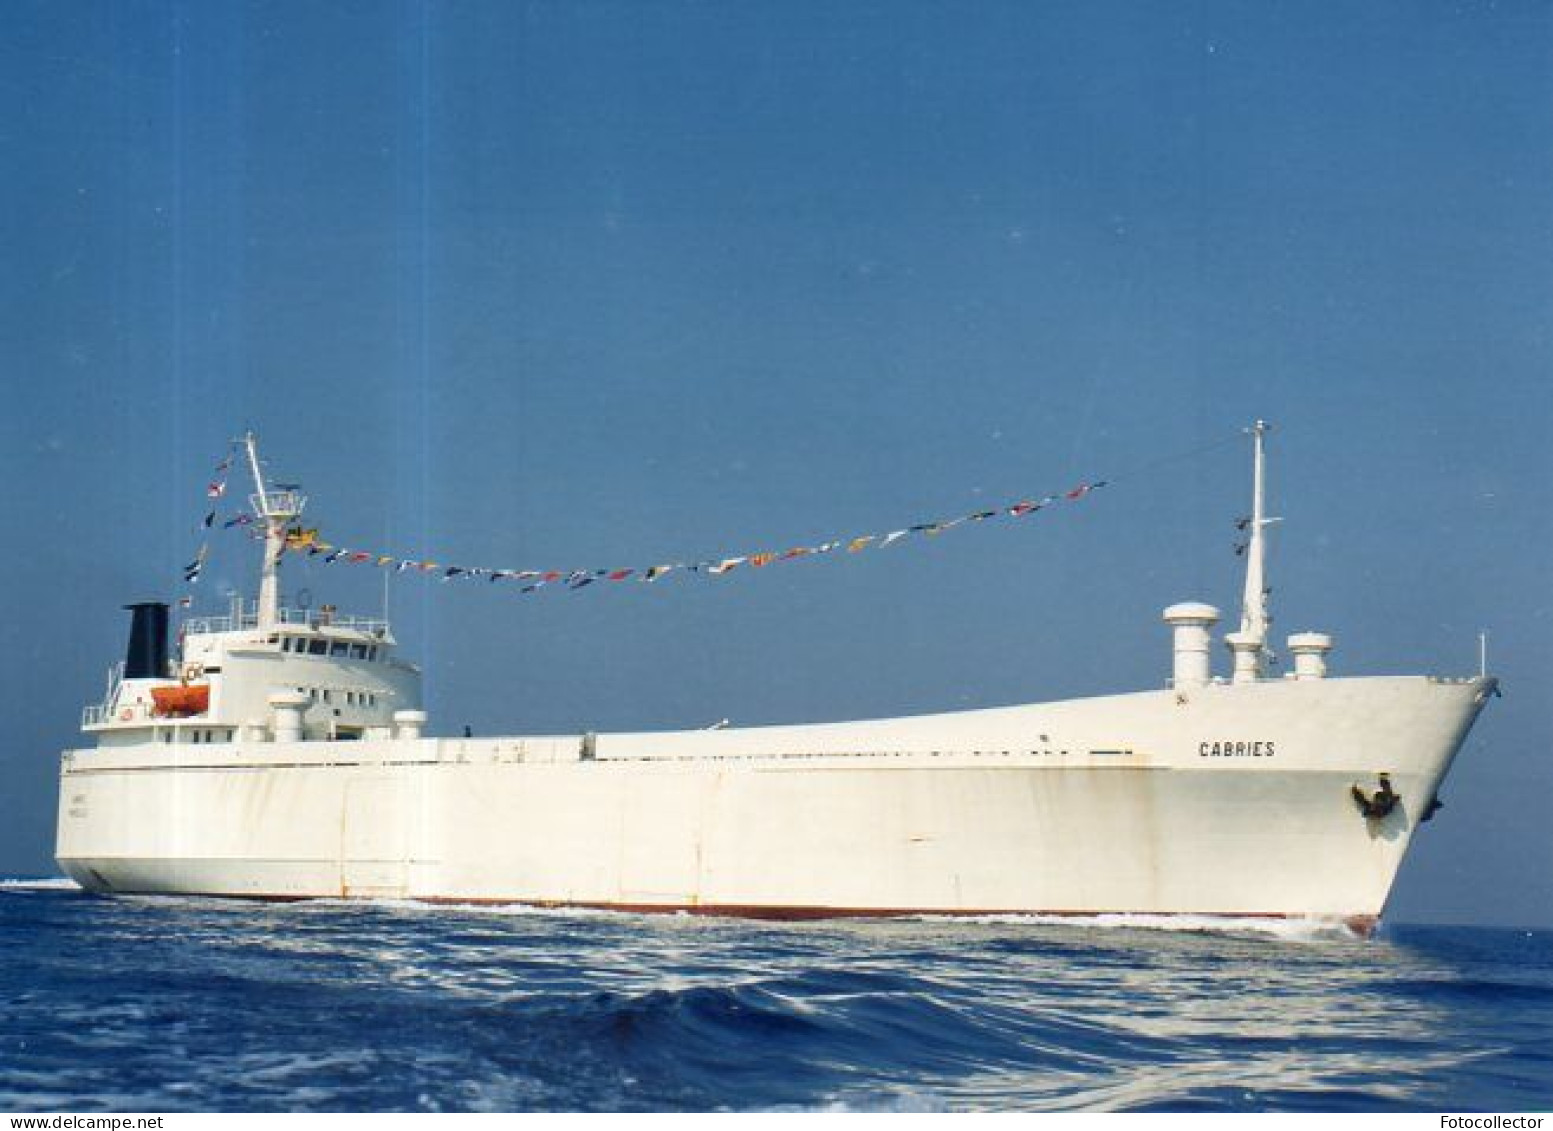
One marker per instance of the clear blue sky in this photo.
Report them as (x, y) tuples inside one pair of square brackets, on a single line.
[(617, 283)]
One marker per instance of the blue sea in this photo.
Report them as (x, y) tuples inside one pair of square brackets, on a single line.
[(175, 1004)]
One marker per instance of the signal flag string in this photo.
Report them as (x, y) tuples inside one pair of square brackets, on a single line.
[(215, 491), (307, 540)]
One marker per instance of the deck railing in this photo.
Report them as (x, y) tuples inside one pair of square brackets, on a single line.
[(306, 618)]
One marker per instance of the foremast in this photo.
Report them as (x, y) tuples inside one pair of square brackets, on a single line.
[(1249, 645), (276, 507)]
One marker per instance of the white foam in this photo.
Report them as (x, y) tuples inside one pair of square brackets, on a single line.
[(1293, 929), (440, 906), (905, 1102), (52, 883)]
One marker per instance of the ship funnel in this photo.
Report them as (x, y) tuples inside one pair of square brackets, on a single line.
[(1310, 654), (147, 655), (1193, 646)]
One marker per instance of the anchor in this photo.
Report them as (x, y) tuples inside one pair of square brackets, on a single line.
[(1378, 805)]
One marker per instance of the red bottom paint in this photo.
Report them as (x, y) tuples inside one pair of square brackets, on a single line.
[(1362, 925)]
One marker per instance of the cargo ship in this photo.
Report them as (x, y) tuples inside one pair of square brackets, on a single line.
[(281, 753)]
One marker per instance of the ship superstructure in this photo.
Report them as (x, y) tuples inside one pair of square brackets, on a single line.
[(282, 754), (259, 672)]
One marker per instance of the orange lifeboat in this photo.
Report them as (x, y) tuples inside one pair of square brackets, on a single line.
[(181, 700)]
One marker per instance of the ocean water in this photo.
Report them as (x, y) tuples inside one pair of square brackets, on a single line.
[(171, 1004)]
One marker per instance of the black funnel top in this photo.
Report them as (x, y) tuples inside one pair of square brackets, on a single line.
[(147, 656)]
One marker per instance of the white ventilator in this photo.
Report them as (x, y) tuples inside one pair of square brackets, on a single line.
[(1193, 644)]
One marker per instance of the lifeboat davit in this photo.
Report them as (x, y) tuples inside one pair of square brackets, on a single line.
[(181, 700)]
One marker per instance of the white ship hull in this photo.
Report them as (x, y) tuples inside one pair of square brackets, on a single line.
[(1217, 800)]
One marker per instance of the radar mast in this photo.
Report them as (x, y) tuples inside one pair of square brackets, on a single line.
[(276, 507)]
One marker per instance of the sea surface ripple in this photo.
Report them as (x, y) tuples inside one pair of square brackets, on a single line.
[(174, 1004)]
